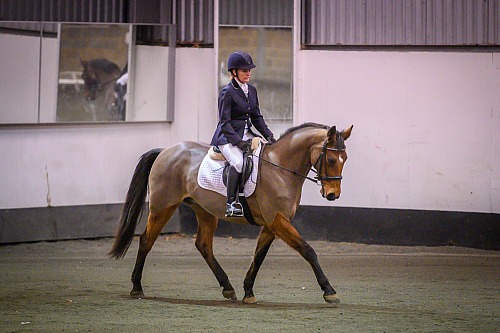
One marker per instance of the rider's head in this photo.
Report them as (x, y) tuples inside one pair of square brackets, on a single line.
[(240, 64)]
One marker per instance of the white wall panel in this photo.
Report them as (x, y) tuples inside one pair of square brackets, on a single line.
[(78, 165), (424, 126)]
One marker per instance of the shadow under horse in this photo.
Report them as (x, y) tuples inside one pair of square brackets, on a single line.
[(284, 165)]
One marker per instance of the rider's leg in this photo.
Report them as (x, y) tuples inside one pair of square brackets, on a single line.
[(235, 158), (233, 207)]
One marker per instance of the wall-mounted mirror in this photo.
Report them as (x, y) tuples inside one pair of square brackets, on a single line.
[(93, 72), (84, 72)]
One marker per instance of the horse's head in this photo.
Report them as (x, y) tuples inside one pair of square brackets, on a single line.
[(328, 158), (91, 82)]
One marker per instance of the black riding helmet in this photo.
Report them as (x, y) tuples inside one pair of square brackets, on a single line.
[(240, 60)]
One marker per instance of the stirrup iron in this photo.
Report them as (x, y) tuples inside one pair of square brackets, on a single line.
[(234, 209)]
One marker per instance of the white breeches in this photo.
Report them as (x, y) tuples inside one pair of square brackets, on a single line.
[(233, 154)]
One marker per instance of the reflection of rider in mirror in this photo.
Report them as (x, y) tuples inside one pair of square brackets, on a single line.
[(238, 111), (121, 93)]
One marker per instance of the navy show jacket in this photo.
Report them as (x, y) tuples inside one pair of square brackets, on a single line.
[(235, 111)]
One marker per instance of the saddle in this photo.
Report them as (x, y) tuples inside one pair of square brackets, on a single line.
[(215, 154)]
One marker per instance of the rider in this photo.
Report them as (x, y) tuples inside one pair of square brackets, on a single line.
[(238, 111)]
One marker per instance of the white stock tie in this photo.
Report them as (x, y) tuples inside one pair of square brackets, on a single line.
[(244, 87)]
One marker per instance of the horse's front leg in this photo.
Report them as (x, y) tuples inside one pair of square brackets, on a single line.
[(207, 224), (266, 238), (282, 227)]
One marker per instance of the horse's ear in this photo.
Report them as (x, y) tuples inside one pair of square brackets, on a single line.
[(332, 133), (346, 133)]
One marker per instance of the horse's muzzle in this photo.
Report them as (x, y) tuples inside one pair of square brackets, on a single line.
[(332, 196)]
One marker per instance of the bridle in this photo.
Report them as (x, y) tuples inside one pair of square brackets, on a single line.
[(320, 160)]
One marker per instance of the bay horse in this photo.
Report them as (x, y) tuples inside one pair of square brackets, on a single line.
[(99, 76), (284, 165)]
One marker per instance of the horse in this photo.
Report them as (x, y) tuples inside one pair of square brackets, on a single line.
[(283, 168), (100, 75)]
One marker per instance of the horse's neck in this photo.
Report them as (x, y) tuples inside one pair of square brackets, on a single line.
[(294, 150), (104, 77)]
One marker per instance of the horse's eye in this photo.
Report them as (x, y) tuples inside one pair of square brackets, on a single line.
[(331, 161)]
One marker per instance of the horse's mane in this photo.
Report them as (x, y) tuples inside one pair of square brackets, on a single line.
[(296, 128), (105, 65)]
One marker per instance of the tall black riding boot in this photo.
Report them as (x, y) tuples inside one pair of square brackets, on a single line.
[(233, 207)]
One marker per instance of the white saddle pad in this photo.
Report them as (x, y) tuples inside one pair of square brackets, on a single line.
[(210, 175)]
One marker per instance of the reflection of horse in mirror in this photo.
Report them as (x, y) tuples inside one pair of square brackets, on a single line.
[(99, 76), (172, 176)]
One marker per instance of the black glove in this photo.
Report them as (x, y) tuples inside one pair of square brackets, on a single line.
[(243, 145), (270, 140)]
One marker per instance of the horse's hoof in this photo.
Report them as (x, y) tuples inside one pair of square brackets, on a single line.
[(249, 300), (332, 299), (137, 293), (229, 294)]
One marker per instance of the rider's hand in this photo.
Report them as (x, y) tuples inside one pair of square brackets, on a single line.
[(243, 145), (270, 140)]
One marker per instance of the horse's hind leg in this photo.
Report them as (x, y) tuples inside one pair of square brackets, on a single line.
[(282, 228), (207, 224), (155, 224), (266, 238)]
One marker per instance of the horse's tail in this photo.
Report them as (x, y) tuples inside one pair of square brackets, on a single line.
[(134, 202)]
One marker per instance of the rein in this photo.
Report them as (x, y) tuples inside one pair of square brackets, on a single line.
[(100, 84), (106, 82), (315, 180), (321, 160)]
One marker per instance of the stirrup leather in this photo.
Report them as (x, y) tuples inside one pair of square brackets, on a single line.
[(234, 209)]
